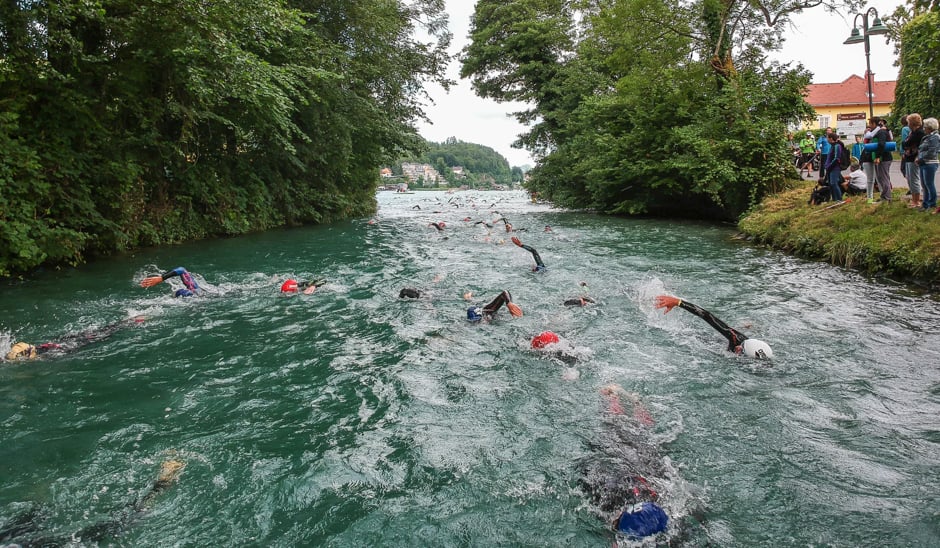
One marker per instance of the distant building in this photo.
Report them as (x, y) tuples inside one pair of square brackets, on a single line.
[(385, 172), (459, 172), (425, 172), (843, 106)]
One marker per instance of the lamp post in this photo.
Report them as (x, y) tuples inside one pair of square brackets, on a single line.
[(857, 36)]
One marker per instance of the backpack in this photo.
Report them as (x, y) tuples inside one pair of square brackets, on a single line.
[(845, 157)]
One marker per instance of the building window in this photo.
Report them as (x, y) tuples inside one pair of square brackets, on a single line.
[(824, 121)]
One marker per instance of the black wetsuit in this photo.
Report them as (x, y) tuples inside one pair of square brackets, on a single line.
[(409, 293), (579, 301), (735, 337), (23, 529), (69, 343), (617, 474), (539, 265), (437, 226), (497, 303)]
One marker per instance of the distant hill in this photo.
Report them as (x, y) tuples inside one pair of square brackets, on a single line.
[(482, 165)]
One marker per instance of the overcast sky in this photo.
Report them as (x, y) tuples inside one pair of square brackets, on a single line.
[(814, 40)]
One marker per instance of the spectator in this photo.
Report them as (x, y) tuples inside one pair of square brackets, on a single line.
[(807, 148), (881, 157), (832, 166), (868, 164), (823, 147), (927, 161), (857, 182), (909, 145), (858, 148)]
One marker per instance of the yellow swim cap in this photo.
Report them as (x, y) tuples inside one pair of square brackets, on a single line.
[(22, 350)]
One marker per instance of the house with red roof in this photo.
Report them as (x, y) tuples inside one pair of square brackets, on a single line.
[(844, 105)]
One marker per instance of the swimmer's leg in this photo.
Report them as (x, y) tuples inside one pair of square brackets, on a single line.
[(25, 523)]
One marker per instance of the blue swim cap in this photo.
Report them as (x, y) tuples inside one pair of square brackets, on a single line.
[(642, 520), (183, 293), (474, 314)]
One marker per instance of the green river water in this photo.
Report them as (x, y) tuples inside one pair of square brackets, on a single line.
[(350, 417)]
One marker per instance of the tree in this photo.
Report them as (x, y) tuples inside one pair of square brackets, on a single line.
[(918, 87)]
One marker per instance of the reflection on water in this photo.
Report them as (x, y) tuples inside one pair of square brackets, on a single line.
[(352, 417)]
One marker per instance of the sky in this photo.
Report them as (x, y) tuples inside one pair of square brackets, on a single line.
[(815, 40)]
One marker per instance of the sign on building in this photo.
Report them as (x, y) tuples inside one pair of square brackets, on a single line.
[(849, 125)]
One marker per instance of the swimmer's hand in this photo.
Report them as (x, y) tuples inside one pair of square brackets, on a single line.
[(514, 310), (151, 281), (667, 302), (517, 241)]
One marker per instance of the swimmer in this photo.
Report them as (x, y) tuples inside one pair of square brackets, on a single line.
[(552, 345), (476, 314), (583, 300), (191, 287), (737, 341), (617, 477), (439, 226), (69, 343), (539, 265), (293, 286), (22, 529), (409, 293)]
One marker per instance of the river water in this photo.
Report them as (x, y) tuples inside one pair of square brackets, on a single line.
[(350, 417)]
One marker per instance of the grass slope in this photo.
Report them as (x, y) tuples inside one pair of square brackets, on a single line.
[(885, 238)]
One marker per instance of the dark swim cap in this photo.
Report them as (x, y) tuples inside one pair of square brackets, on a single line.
[(642, 520), (409, 293), (474, 314), (183, 293)]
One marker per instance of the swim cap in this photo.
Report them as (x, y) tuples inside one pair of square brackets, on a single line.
[(543, 339), (290, 286), (21, 350), (642, 520), (409, 293), (754, 348), (183, 293), (474, 314)]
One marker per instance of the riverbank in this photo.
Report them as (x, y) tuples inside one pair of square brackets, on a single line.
[(882, 239)]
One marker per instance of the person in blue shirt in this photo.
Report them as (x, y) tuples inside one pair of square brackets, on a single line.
[(822, 148), (190, 289)]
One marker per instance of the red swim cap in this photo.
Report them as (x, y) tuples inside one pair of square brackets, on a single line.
[(543, 339), (290, 286)]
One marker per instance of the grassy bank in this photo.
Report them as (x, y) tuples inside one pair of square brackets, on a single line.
[(885, 238)]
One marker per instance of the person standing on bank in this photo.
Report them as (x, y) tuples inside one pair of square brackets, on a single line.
[(910, 146), (881, 157), (833, 166), (807, 148), (928, 163), (823, 148)]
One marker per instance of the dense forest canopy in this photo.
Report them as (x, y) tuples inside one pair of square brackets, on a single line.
[(480, 163), (646, 106), (128, 123)]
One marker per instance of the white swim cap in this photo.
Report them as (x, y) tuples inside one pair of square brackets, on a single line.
[(754, 348)]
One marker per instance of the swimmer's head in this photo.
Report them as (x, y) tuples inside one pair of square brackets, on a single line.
[(642, 520), (183, 293), (171, 469), (290, 286), (754, 348), (544, 339), (409, 293), (22, 350), (474, 314)]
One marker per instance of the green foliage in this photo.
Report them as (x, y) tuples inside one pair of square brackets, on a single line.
[(918, 88), (646, 114), (139, 123)]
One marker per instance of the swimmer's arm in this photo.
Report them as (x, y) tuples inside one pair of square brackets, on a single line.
[(734, 337)]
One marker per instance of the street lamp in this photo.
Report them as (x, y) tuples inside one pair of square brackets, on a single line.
[(862, 36)]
